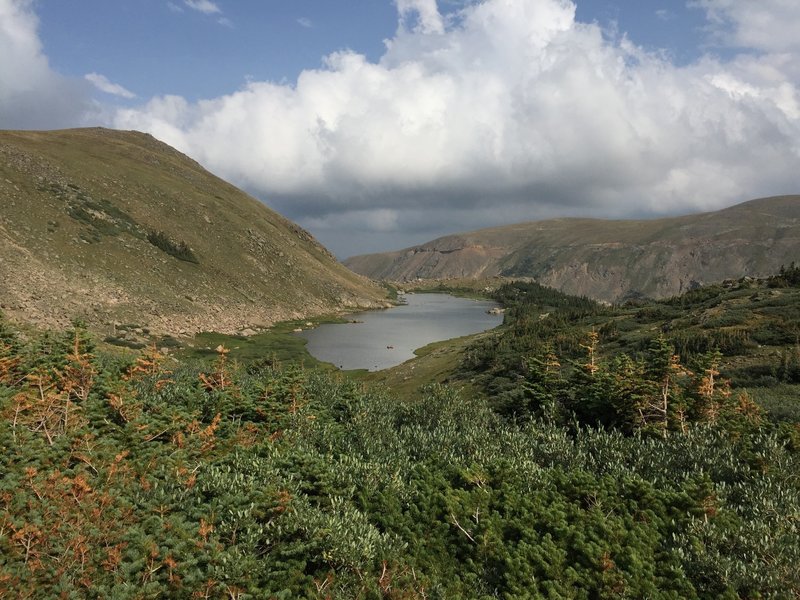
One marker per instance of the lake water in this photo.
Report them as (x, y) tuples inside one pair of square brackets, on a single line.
[(385, 338)]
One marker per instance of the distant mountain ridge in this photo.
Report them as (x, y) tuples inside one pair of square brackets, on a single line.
[(610, 260), (117, 227)]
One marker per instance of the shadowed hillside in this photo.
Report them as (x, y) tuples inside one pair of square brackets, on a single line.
[(117, 227), (610, 260)]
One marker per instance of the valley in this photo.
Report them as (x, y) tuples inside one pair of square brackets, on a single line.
[(400, 300), (166, 432)]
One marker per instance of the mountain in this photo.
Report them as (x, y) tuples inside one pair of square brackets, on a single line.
[(115, 227), (610, 260)]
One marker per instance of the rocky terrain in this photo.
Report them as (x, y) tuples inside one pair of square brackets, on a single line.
[(123, 231), (610, 260)]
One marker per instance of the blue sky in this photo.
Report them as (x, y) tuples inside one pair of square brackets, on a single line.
[(154, 47), (378, 124), (159, 47)]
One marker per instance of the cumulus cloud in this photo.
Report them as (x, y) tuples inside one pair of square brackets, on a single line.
[(31, 94), (102, 83), (423, 13), (508, 110), (503, 111)]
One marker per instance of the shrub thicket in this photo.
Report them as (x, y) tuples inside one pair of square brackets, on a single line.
[(128, 479)]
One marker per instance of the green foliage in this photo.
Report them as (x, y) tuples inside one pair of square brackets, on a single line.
[(123, 342), (537, 318), (786, 276), (279, 344), (755, 327), (101, 217), (132, 479), (179, 250)]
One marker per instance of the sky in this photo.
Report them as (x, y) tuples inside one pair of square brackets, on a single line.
[(379, 124)]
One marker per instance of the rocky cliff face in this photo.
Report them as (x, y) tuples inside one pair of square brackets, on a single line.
[(118, 228), (610, 260)]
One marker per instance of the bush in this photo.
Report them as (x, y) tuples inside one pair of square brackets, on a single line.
[(179, 250)]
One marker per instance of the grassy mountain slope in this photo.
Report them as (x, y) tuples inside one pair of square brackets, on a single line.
[(610, 259), (113, 226)]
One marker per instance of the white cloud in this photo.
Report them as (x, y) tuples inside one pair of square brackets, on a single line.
[(31, 94), (102, 83), (23, 62), (305, 22), (207, 7), (204, 6), (426, 13), (513, 105), (771, 25)]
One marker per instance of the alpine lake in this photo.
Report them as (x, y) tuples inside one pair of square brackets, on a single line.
[(380, 339)]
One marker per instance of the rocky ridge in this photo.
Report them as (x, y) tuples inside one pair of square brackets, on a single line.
[(610, 260)]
